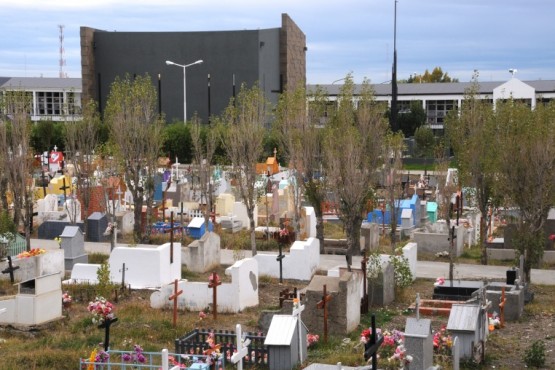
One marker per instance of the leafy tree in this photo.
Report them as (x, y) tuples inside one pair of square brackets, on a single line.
[(352, 155), (177, 142), (425, 141), (472, 134), (17, 156), (410, 121), (136, 130), (392, 152), (242, 136), (437, 75), (526, 171), (81, 141), (45, 134)]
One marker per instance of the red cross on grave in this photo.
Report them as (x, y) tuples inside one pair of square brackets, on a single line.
[(213, 282), (176, 293), (323, 305)]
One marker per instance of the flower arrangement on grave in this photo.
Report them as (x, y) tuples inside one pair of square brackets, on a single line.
[(442, 342), (439, 281), (494, 321), (101, 310), (66, 300), (136, 357), (110, 228), (312, 339), (31, 253), (392, 350), (214, 278), (201, 315), (96, 357), (213, 351)]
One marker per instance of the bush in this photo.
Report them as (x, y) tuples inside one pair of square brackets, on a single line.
[(535, 355)]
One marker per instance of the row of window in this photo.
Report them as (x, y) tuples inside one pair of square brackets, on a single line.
[(51, 103)]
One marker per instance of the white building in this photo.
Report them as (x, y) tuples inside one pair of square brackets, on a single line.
[(55, 99), (439, 98)]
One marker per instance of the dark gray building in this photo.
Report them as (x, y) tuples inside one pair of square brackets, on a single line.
[(275, 58)]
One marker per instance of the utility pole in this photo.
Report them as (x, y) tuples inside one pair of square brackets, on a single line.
[(393, 116)]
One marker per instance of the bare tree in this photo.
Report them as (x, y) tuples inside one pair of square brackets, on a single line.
[(136, 130), (242, 138), (15, 135), (526, 172), (203, 154), (81, 141), (472, 133), (301, 136), (352, 152)]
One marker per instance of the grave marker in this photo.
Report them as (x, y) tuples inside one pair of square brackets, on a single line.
[(242, 348), (372, 346), (10, 269), (122, 270), (280, 260), (298, 308), (502, 308), (213, 282), (106, 325), (323, 305), (176, 293), (364, 299), (64, 188), (171, 229), (455, 353)]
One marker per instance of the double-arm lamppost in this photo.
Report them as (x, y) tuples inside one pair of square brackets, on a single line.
[(184, 66)]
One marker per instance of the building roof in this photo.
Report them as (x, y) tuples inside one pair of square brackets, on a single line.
[(449, 88), (70, 231), (196, 222), (30, 83), (463, 317), (281, 330)]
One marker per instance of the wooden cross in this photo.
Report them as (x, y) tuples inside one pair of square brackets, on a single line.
[(170, 230), (323, 305), (10, 269), (242, 348), (280, 260), (64, 188), (164, 201), (176, 293), (297, 310), (364, 299), (106, 325), (213, 282), (417, 306), (44, 186), (502, 308), (122, 270)]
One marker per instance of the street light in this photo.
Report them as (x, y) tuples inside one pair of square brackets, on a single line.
[(184, 66)]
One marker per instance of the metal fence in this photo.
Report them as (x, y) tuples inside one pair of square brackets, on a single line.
[(116, 360), (195, 342)]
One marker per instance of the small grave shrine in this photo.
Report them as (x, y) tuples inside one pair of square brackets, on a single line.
[(73, 244), (197, 342), (468, 323), (457, 290), (196, 228), (513, 308), (96, 227), (283, 342), (419, 342), (39, 300)]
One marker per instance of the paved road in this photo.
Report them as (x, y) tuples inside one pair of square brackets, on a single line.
[(424, 269)]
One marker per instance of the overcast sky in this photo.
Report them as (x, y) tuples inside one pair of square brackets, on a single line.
[(356, 36)]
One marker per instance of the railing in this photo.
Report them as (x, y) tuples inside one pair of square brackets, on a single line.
[(195, 342), (152, 361)]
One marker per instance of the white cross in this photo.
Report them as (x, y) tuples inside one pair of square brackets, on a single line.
[(242, 348), (55, 148), (297, 313)]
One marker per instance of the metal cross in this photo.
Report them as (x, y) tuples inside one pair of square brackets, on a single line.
[(280, 258), (10, 269)]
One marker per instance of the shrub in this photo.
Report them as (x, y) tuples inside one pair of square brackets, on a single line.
[(535, 355)]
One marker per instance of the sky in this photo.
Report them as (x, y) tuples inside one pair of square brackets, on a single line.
[(348, 36)]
